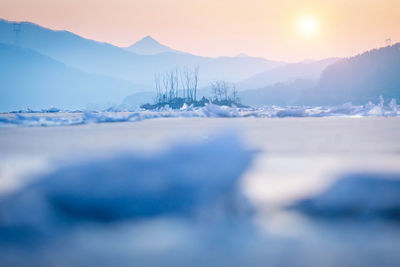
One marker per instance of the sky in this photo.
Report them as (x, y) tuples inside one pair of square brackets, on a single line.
[(289, 30)]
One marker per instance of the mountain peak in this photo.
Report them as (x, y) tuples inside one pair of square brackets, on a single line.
[(242, 55), (149, 46), (148, 38)]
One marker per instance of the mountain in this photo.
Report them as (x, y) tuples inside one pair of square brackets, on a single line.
[(106, 59), (361, 78), (281, 94), (287, 73), (29, 79), (242, 55), (149, 46), (357, 79)]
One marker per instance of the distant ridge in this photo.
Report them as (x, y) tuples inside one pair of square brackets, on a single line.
[(287, 73), (358, 79), (149, 46), (362, 78), (29, 79)]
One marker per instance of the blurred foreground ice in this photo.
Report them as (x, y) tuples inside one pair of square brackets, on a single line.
[(55, 117), (189, 180), (183, 206), (358, 195)]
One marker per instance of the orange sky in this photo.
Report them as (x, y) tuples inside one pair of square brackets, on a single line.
[(223, 27)]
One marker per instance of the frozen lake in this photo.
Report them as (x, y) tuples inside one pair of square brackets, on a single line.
[(295, 158)]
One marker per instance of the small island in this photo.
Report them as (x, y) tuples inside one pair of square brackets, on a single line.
[(169, 94)]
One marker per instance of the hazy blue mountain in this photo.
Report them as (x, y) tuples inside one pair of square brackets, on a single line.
[(287, 73), (73, 50), (149, 46), (31, 80), (281, 94), (242, 55), (357, 79), (361, 78), (135, 100), (106, 59)]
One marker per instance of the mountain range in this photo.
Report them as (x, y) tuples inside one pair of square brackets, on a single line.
[(357, 79), (131, 69), (286, 73), (44, 67), (106, 59), (33, 80)]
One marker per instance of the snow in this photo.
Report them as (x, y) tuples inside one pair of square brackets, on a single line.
[(42, 118)]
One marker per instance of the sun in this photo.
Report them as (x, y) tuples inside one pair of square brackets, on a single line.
[(307, 26)]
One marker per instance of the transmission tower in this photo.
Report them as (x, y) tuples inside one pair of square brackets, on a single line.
[(17, 31)]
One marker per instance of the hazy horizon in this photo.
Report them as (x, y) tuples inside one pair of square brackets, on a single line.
[(290, 30)]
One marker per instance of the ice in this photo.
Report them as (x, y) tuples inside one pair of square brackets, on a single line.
[(192, 180), (393, 107), (56, 117), (297, 157), (212, 110), (39, 120), (291, 112), (358, 195)]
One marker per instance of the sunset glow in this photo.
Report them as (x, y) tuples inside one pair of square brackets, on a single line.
[(268, 29), (308, 26)]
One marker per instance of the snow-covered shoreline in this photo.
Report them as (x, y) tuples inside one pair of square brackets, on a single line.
[(56, 117)]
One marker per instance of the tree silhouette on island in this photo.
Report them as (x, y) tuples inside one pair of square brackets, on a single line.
[(169, 94)]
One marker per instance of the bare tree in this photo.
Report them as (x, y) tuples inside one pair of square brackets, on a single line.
[(176, 82), (235, 94), (215, 90), (220, 90), (190, 82), (161, 83), (186, 82), (223, 91), (195, 80), (166, 86), (169, 88), (171, 85)]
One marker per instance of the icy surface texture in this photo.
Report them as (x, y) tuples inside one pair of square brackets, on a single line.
[(55, 117)]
